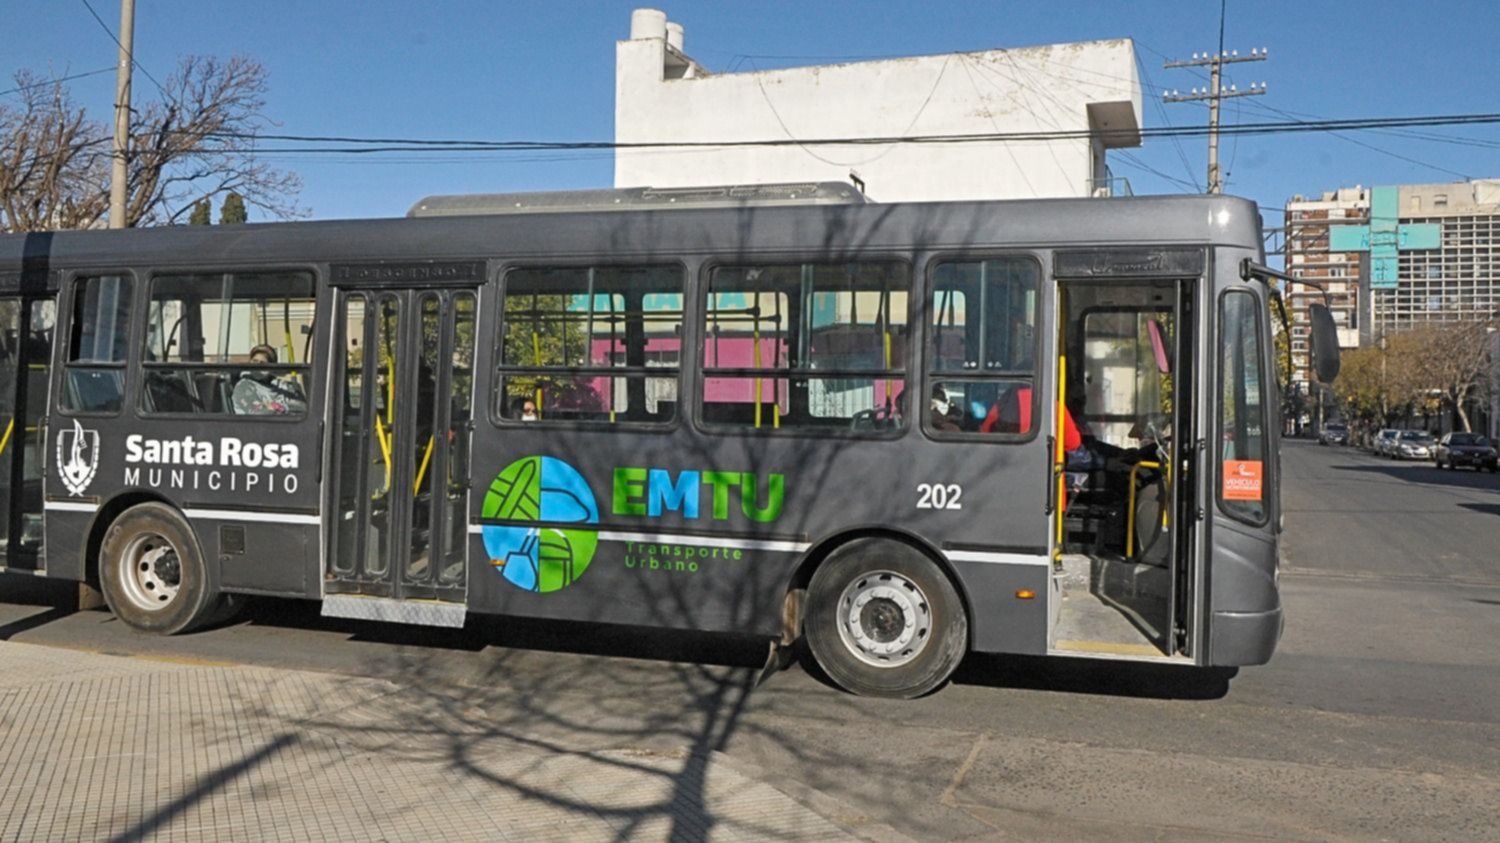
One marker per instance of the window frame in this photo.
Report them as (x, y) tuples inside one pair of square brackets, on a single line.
[(64, 342), (700, 313), (1268, 461), (499, 371), (932, 376), (308, 368)]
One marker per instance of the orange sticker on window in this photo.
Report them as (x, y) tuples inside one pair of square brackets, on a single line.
[(1242, 480)]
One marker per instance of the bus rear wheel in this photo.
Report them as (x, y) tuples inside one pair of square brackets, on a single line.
[(152, 572), (884, 621)]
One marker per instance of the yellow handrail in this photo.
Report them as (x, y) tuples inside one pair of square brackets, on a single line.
[(1059, 455), (383, 438), (426, 458), (536, 360), (1130, 512), (5, 440)]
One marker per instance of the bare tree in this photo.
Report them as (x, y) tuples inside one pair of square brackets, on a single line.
[(54, 160), (196, 141), (1454, 360)]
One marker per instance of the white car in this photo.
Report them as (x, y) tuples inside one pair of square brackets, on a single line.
[(1383, 441), (1413, 445)]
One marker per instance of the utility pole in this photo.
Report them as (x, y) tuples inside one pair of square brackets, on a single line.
[(118, 171), (1213, 93)]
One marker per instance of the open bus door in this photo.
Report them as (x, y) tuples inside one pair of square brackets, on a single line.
[(398, 439), (1126, 547), (26, 331)]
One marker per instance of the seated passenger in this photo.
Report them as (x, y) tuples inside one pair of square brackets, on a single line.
[(940, 419), (524, 409), (261, 392)]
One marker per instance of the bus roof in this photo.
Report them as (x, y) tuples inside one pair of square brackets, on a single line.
[(637, 198), (641, 233)]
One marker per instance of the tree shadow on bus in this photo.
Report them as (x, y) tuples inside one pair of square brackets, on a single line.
[(1095, 677)]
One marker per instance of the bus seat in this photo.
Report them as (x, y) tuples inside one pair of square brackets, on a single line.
[(168, 392), (213, 391)]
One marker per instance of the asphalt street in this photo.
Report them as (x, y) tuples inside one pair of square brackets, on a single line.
[(1378, 718)]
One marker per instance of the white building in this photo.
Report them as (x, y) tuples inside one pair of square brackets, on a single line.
[(663, 96)]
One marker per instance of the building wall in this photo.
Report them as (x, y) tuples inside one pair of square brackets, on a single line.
[(1452, 282), (1457, 281), (662, 95), (1308, 256)]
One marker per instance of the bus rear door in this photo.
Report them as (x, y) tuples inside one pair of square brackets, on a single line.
[(26, 330), (398, 437)]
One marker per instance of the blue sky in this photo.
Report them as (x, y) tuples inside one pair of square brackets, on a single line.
[(532, 70)]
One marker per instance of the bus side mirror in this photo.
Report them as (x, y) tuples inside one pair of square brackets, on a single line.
[(1325, 343)]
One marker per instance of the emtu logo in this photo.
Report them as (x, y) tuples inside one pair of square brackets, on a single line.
[(653, 492), (540, 558), (77, 458)]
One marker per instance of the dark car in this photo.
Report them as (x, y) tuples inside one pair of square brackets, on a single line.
[(1471, 449), (1334, 433)]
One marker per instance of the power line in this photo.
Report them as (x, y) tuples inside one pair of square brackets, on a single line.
[(43, 84), (1176, 143), (111, 34), (389, 144), (1373, 148), (1214, 94)]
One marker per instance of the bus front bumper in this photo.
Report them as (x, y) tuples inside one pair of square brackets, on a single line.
[(1244, 638)]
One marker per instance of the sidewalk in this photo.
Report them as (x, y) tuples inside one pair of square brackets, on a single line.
[(96, 747)]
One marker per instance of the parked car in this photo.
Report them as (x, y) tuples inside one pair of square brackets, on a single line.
[(1334, 433), (1383, 442), (1413, 445), (1471, 449)]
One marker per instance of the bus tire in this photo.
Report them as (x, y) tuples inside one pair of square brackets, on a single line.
[(152, 572), (884, 620)]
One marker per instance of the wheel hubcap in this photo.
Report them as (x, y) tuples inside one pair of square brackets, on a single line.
[(884, 619), (150, 573)]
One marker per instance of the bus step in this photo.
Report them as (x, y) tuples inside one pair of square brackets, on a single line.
[(416, 612)]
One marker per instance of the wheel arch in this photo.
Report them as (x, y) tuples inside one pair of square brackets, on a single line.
[(111, 511), (794, 606)]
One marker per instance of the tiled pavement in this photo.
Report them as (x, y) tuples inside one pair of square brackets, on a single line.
[(101, 747)]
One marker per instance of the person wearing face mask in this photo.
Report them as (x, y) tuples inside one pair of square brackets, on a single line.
[(524, 409), (263, 392), (939, 404)]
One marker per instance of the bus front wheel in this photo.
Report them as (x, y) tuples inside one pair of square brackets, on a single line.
[(884, 621), (152, 572)]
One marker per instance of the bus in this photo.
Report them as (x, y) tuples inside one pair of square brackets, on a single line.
[(899, 433)]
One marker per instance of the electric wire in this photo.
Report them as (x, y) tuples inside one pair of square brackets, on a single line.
[(128, 53)]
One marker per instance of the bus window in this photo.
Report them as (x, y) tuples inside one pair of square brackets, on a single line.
[(982, 356), (819, 346), (1242, 412), (591, 344), (223, 344), (98, 345), (1125, 389)]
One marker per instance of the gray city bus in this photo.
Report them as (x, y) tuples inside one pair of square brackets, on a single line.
[(898, 432)]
